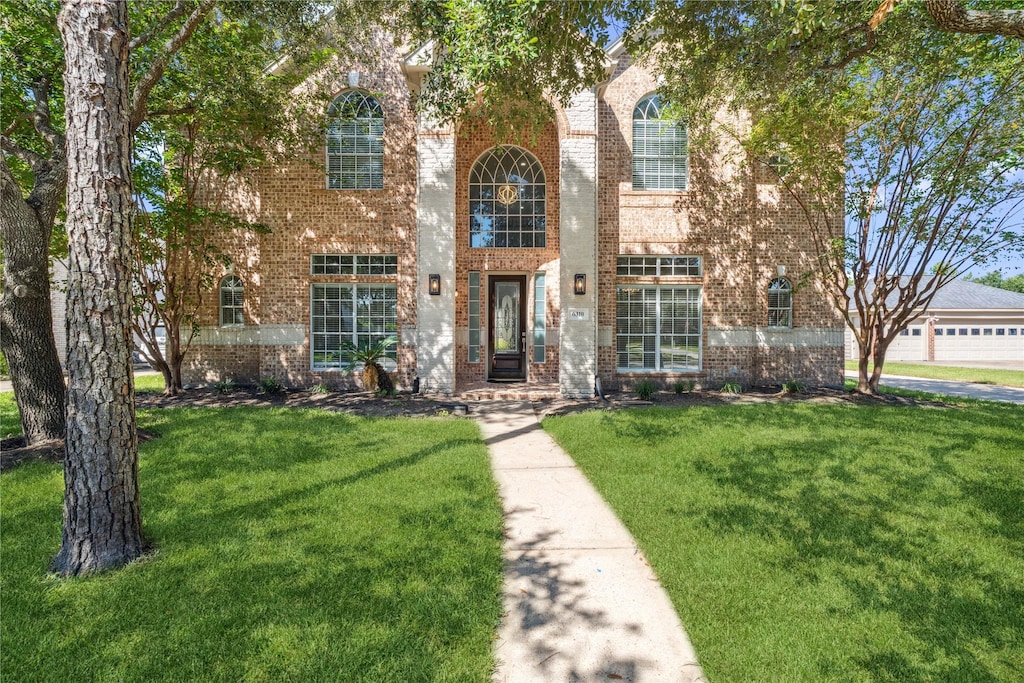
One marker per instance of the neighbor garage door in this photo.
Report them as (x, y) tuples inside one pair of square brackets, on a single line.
[(979, 343)]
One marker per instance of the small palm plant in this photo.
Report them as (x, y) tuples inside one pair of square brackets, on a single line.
[(367, 356)]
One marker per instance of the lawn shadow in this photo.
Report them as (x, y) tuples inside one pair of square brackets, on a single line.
[(878, 521)]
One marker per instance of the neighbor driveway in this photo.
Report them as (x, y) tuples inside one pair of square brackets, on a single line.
[(988, 392)]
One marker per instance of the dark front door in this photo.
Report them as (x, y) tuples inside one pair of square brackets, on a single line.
[(507, 322)]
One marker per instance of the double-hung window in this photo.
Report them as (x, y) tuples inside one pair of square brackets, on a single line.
[(355, 142), (661, 159), (658, 325)]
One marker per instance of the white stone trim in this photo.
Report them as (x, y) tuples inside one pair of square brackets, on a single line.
[(435, 243), (577, 339), (250, 335), (773, 337)]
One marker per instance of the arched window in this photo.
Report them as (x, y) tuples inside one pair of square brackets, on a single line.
[(506, 200), (355, 142), (232, 298), (660, 157), (780, 303)]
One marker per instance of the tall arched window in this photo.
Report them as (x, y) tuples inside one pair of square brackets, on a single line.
[(780, 303), (232, 299), (355, 142), (507, 200), (660, 156)]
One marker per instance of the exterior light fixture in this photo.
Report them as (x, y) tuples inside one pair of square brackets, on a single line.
[(579, 284), (434, 285)]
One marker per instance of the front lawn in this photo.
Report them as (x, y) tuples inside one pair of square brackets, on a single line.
[(10, 423), (1007, 378), (288, 545), (804, 542)]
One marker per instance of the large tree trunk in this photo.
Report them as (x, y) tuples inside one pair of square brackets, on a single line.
[(102, 523), (26, 324)]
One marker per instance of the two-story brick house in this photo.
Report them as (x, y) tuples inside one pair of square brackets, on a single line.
[(602, 248)]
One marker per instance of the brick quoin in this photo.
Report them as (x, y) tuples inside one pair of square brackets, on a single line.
[(732, 216)]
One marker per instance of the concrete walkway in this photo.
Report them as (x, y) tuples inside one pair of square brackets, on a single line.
[(988, 392), (581, 603)]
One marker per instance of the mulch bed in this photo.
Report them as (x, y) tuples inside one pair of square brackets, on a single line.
[(13, 451)]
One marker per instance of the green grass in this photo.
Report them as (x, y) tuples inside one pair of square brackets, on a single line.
[(149, 382), (1009, 378), (289, 545), (806, 542), (10, 423)]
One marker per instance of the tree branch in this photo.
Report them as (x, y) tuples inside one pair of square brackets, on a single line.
[(31, 158), (951, 15), (140, 95), (187, 109), (139, 41), (870, 41), (41, 113)]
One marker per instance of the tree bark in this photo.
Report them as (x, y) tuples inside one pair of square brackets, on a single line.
[(26, 323), (951, 15), (102, 522)]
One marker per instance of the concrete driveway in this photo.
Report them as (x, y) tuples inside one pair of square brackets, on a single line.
[(988, 392)]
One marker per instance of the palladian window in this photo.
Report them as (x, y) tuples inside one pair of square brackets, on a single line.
[(507, 206)]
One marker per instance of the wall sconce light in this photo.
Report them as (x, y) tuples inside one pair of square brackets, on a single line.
[(579, 284), (434, 286)]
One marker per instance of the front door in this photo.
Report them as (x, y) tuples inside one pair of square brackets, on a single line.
[(507, 322)]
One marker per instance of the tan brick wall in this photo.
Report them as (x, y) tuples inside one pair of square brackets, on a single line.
[(304, 218), (739, 224)]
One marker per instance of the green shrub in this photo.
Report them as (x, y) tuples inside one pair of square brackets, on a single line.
[(4, 370), (792, 386), (320, 388), (682, 386), (271, 385), (644, 389), (732, 388), (225, 386)]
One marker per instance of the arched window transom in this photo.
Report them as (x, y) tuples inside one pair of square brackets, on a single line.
[(355, 142), (232, 300), (661, 159), (507, 206), (780, 303)]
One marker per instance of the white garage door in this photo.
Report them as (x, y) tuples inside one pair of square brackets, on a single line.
[(910, 346), (979, 343)]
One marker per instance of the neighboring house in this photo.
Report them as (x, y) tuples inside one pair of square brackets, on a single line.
[(964, 322), (600, 248)]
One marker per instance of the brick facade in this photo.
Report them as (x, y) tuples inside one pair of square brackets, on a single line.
[(732, 216)]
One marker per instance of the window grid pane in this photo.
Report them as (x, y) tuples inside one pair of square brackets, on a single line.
[(655, 266), (507, 206), (232, 301), (357, 314), (539, 318), (347, 264), (660, 154), (355, 143), (658, 328), (474, 317), (780, 303)]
